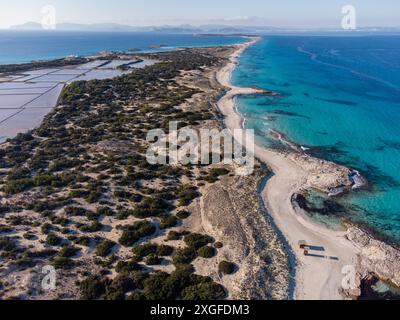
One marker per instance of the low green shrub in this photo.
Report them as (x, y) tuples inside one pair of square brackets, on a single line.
[(150, 207), (83, 241), (187, 194), (197, 240), (207, 252), (145, 249), (183, 214), (164, 250), (218, 245), (127, 266), (204, 291), (215, 173), (79, 193), (132, 234), (117, 289), (45, 253), (17, 186), (92, 288), (105, 211), (153, 260), (104, 248), (68, 251), (63, 263), (158, 287), (226, 267), (7, 244), (168, 221), (174, 235), (184, 256), (95, 226), (29, 236), (53, 240)]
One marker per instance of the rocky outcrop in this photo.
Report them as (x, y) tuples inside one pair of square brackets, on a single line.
[(376, 259), (325, 176)]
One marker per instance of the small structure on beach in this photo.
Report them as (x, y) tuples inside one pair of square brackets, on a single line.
[(303, 244)]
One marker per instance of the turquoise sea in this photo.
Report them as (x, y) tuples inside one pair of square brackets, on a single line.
[(25, 46), (340, 97)]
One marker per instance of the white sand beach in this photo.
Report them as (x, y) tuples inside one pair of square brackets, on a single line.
[(319, 275)]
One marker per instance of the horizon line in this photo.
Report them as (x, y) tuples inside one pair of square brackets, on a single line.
[(111, 26)]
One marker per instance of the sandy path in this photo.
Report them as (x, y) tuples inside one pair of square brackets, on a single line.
[(318, 277)]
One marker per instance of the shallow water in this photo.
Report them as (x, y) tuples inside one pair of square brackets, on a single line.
[(340, 96)]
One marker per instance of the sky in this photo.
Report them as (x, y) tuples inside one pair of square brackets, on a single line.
[(279, 13)]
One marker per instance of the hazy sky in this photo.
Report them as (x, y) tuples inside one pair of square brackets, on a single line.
[(299, 13)]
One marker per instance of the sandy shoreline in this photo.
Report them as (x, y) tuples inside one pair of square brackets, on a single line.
[(318, 276)]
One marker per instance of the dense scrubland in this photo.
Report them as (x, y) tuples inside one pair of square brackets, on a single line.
[(78, 193)]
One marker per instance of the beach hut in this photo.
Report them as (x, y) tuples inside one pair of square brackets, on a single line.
[(302, 244)]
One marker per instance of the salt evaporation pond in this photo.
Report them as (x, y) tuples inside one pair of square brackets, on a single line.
[(30, 96)]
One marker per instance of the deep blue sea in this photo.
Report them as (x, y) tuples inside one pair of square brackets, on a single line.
[(340, 96), (25, 46)]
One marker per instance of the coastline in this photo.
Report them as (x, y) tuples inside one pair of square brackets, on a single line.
[(226, 209), (318, 276), (261, 215)]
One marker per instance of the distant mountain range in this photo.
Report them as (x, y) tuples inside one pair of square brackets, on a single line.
[(120, 27), (188, 29)]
